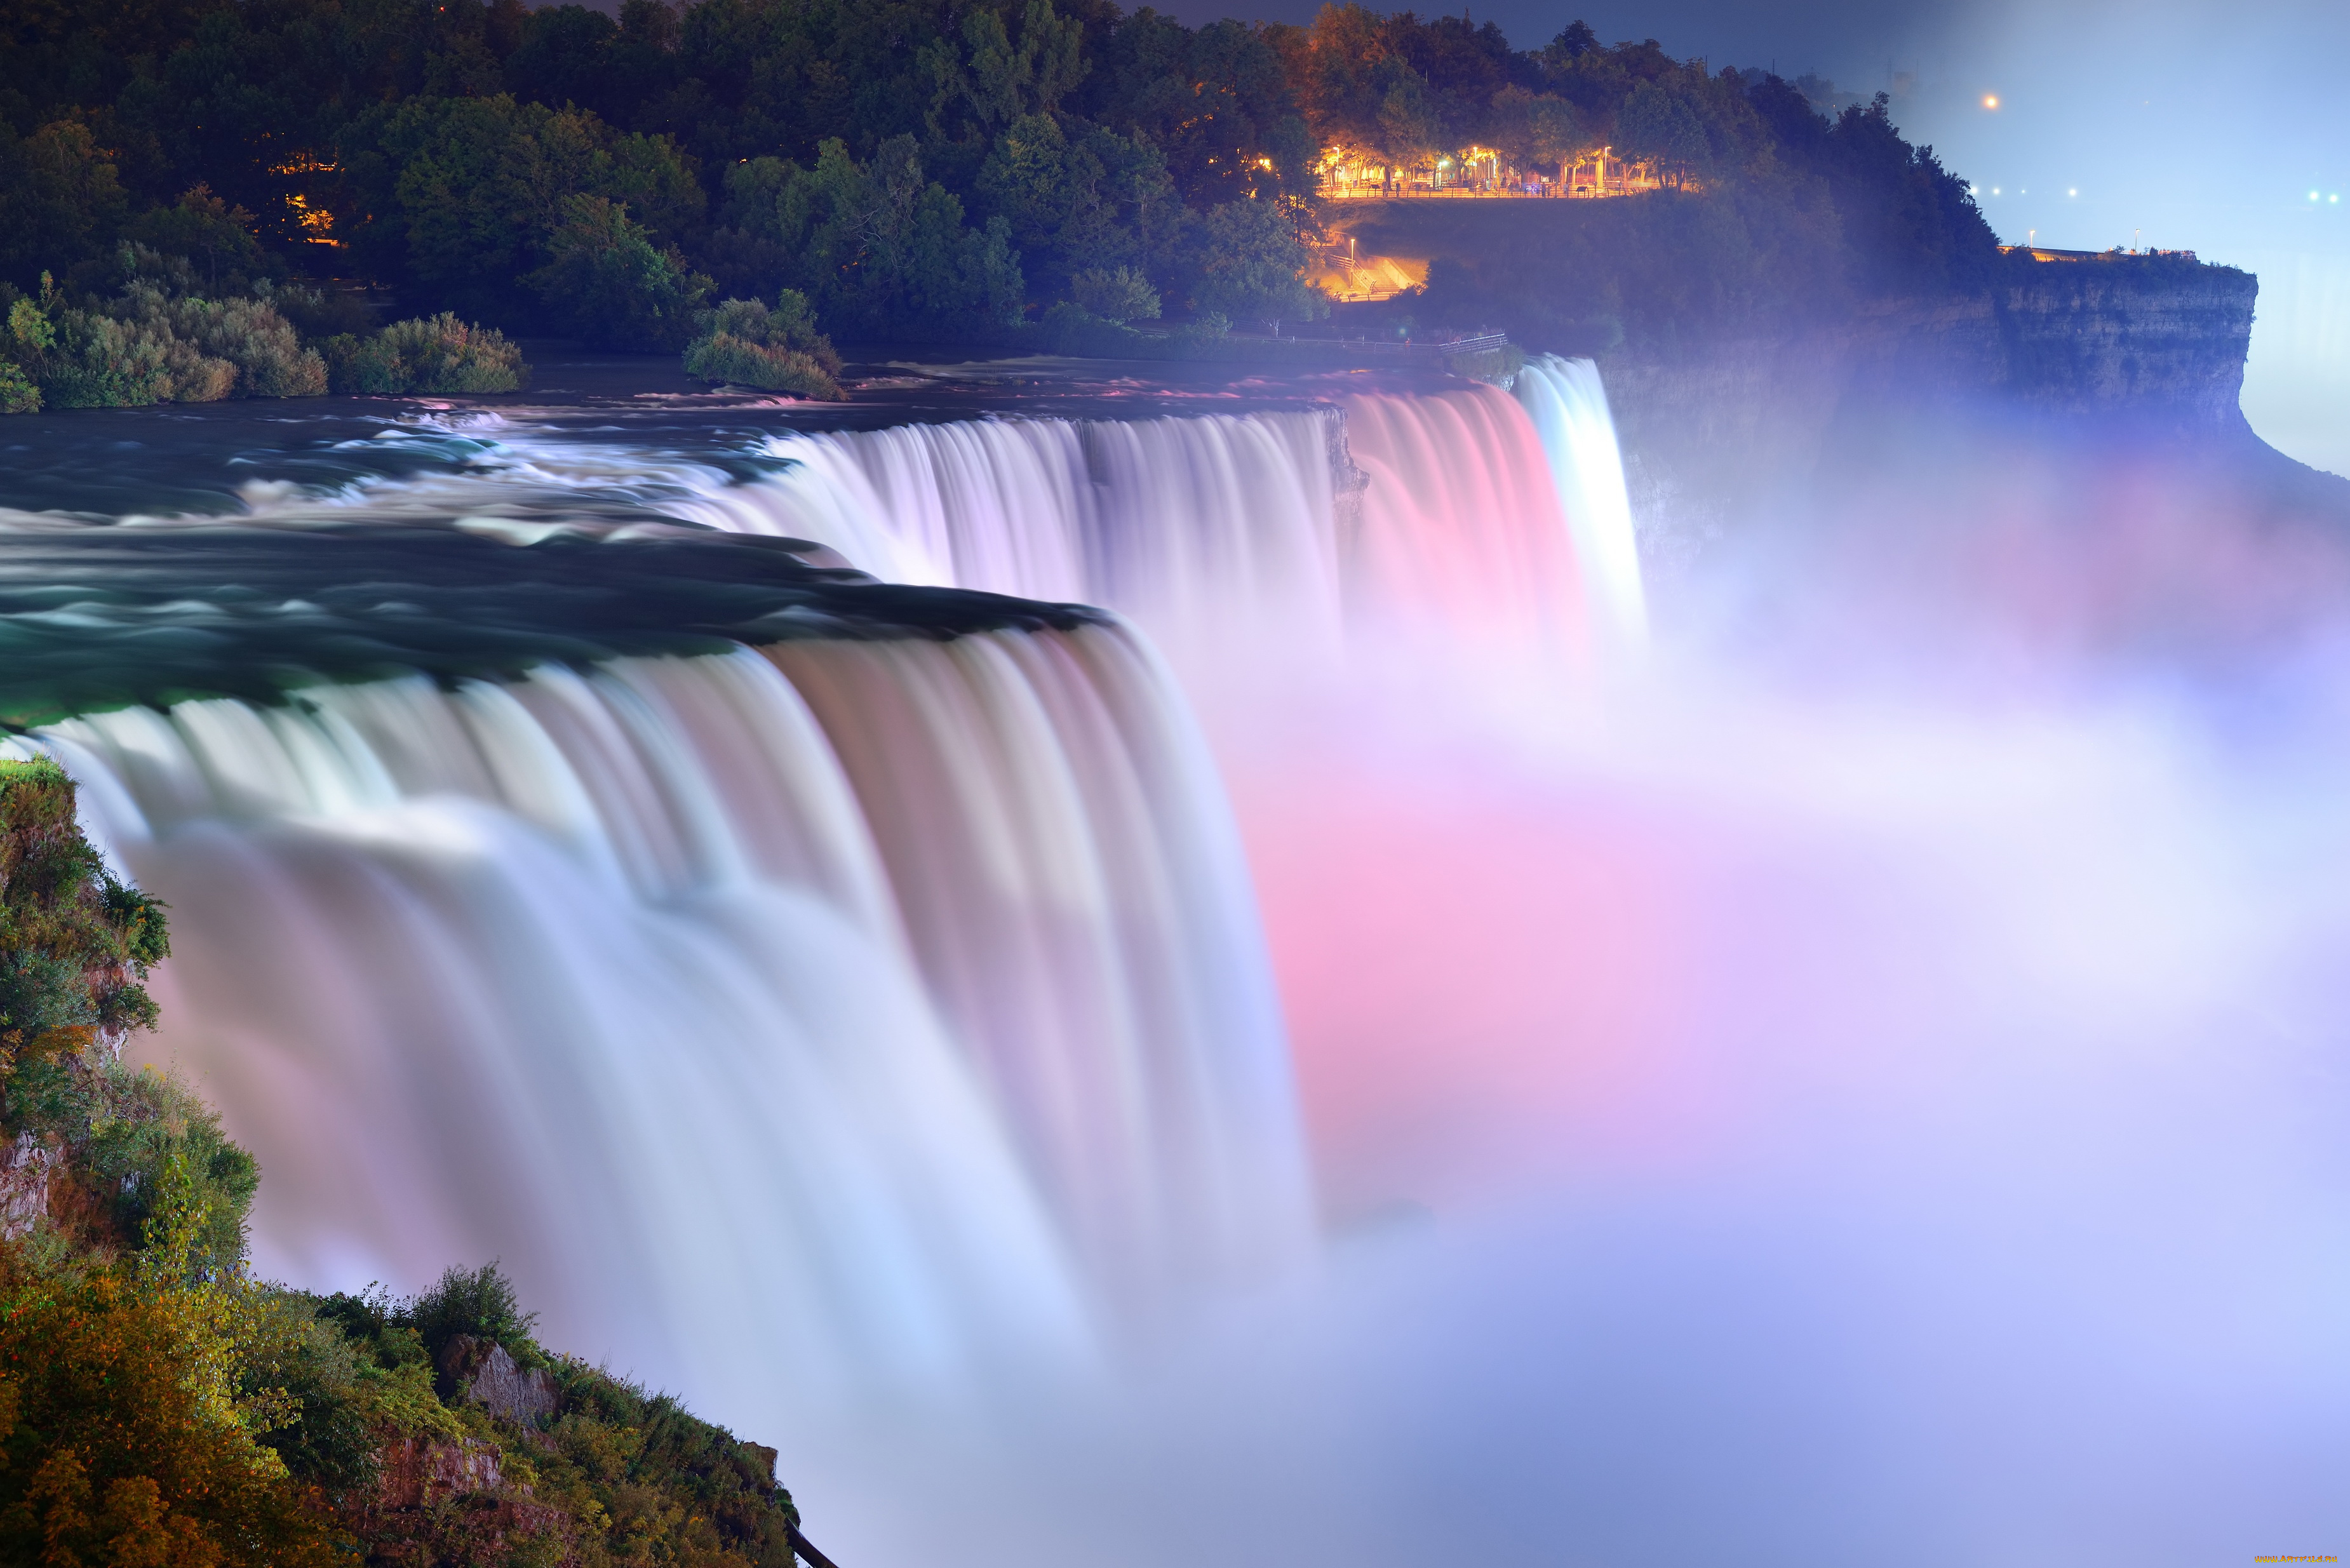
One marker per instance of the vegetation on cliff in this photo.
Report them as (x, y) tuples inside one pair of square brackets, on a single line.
[(159, 1406)]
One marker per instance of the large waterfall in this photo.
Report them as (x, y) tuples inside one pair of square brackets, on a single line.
[(866, 1007)]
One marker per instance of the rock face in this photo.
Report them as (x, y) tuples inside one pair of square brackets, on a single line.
[(1713, 432), (450, 1501), (24, 1167), (490, 1379)]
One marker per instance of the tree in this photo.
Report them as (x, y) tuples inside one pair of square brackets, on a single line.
[(1093, 198), (1251, 265), (1538, 130), (61, 202), (883, 252), (74, 942), (211, 233), (613, 285), (1658, 127), (466, 196), (1408, 129)]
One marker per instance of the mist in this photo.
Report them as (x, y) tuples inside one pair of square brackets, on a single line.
[(1860, 1085)]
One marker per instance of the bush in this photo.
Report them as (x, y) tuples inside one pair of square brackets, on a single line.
[(248, 334), (74, 942), (1123, 295), (126, 1440), (747, 343), (18, 393), (436, 356), (477, 1302), (1070, 328)]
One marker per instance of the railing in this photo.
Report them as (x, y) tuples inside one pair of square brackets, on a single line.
[(1425, 351)]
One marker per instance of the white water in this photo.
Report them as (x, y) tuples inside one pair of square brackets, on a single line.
[(780, 1080), (1437, 518)]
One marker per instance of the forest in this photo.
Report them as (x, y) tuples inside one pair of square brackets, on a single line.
[(909, 170)]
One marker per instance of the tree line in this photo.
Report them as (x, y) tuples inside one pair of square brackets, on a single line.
[(913, 169)]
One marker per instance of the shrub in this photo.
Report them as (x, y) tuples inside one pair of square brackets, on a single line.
[(1122, 294), (126, 1440), (74, 942), (18, 393), (1070, 328), (748, 344), (129, 1394), (435, 356), (478, 1302), (248, 334)]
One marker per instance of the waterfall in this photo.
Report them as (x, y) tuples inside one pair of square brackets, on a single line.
[(1466, 512), (851, 1009), (845, 1015), (1568, 406)]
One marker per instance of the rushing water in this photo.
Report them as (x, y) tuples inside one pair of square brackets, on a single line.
[(593, 961), (1854, 1080)]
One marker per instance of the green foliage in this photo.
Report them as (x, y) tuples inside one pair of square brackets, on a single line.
[(61, 199), (611, 286), (158, 1406), (746, 343), (884, 252), (436, 356), (1121, 295), (18, 393), (1250, 265), (477, 1302), (125, 1437), (467, 195), (247, 334), (74, 941), (1094, 199), (1657, 126), (924, 169), (216, 238)]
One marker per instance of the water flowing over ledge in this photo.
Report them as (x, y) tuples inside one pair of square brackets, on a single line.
[(755, 1067), (809, 985)]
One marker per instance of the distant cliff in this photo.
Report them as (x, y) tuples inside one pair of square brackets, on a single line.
[(2153, 346)]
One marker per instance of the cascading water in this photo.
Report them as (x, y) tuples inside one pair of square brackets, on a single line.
[(1568, 406), (1463, 512), (770, 1074), (864, 1009)]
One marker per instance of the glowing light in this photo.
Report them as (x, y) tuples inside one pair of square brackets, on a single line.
[(2073, 193), (1991, 100), (1995, 190), (2313, 195)]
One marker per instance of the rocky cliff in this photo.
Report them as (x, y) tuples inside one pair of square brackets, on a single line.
[(2147, 347)]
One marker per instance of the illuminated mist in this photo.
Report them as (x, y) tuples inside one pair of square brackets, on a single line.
[(1860, 1087)]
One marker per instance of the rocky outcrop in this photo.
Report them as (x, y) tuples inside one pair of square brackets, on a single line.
[(1713, 432), (488, 1376), (438, 1501), (26, 1165)]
